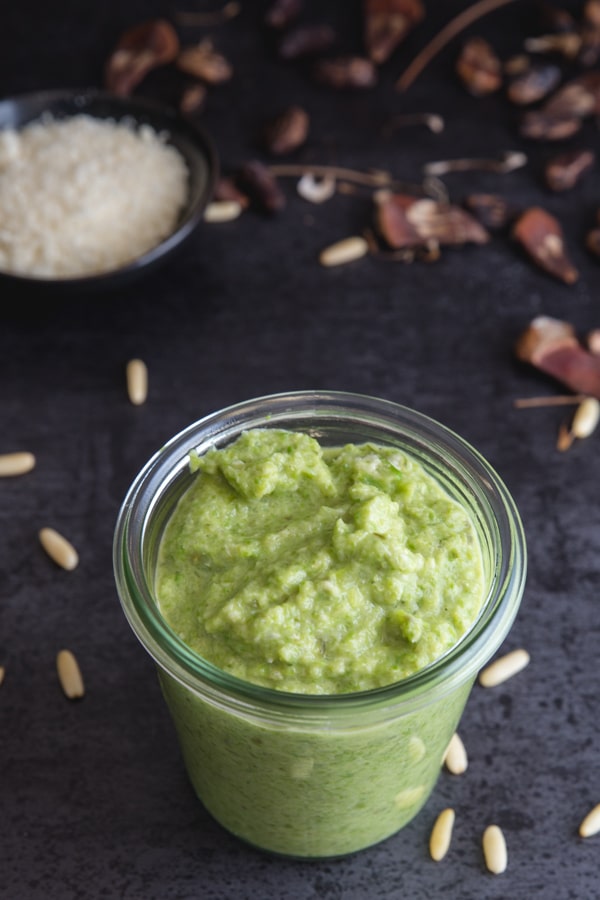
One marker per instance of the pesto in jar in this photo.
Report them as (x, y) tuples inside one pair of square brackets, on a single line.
[(318, 570)]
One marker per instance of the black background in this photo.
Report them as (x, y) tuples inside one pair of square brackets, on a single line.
[(95, 802)]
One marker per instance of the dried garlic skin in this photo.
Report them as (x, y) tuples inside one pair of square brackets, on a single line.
[(552, 346), (204, 62), (541, 236), (387, 24), (263, 189), (479, 68), (287, 132), (564, 171), (139, 50)]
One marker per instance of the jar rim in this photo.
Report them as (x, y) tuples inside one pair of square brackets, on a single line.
[(312, 409)]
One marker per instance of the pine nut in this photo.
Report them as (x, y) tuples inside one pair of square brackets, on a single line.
[(2, 673), (59, 549), (222, 211), (409, 797), (591, 823), (441, 834), (137, 381), (416, 748), (494, 849), (586, 417), (344, 251), (455, 757), (504, 668), (69, 675), (16, 463)]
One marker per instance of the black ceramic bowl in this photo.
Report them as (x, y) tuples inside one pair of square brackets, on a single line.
[(192, 143)]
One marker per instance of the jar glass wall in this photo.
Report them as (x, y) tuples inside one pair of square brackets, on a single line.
[(318, 775)]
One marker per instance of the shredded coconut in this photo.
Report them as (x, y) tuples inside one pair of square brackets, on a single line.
[(80, 196)]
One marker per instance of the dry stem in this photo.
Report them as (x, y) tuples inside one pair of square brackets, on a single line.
[(368, 179), (558, 400), (564, 438), (433, 121), (228, 11), (443, 37), (509, 162)]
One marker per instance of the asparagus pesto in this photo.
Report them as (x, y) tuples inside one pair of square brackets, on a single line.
[(318, 570)]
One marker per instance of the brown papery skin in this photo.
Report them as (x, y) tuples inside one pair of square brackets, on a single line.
[(563, 172), (541, 236), (387, 22), (138, 51), (406, 221), (551, 345), (479, 68)]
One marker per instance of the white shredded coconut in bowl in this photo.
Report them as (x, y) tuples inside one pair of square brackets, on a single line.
[(82, 196)]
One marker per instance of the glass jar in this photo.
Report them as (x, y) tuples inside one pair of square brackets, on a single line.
[(318, 775)]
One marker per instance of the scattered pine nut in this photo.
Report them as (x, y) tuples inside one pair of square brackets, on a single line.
[(586, 418), (137, 381), (416, 748), (441, 834), (59, 548), (494, 849), (408, 798), (2, 673), (345, 251), (455, 757), (504, 668), (222, 211), (69, 675), (591, 823), (16, 463)]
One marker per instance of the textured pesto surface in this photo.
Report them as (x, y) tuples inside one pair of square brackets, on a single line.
[(317, 570)]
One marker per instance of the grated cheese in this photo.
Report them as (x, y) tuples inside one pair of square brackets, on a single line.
[(81, 196)]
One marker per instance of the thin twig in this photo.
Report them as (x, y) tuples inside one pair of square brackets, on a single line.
[(433, 121), (558, 400), (227, 12), (509, 162), (368, 179), (449, 31)]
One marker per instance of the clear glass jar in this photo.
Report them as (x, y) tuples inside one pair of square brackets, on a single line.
[(316, 775)]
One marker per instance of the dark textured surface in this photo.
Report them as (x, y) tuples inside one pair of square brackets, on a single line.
[(95, 802)]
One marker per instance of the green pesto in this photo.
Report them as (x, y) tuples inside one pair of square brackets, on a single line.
[(318, 570)]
